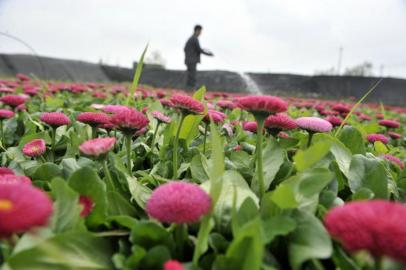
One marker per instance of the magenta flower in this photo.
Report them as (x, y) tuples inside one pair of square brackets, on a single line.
[(280, 122), (394, 135), (341, 108), (389, 123), (376, 226), (314, 124), (226, 104), (166, 103), (5, 114), (34, 148), (173, 265), (187, 104), (250, 126), (161, 117), (22, 207), (13, 100), (115, 108), (215, 116), (87, 205), (14, 179), (334, 120), (22, 77), (375, 137), (97, 147), (262, 104), (129, 121), (93, 119), (55, 119), (394, 160), (5, 170), (178, 202)]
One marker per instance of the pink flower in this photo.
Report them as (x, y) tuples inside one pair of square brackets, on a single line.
[(215, 116), (93, 118), (314, 124), (14, 179), (13, 100), (129, 121), (173, 265), (334, 120), (280, 121), (34, 148), (22, 207), (5, 114), (262, 104), (115, 108), (161, 117), (341, 108), (250, 126), (283, 135), (375, 137), (87, 205), (365, 117), (395, 160), (178, 202), (394, 135), (376, 226), (389, 123), (5, 170), (187, 104), (97, 147), (22, 77), (226, 104), (166, 102), (55, 119)]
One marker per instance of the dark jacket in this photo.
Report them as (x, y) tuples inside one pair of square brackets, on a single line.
[(193, 50)]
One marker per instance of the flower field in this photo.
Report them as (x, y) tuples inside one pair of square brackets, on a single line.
[(115, 176)]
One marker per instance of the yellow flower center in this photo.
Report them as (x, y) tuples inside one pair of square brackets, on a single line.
[(5, 205)]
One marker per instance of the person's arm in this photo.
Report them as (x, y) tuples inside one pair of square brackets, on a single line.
[(200, 50)]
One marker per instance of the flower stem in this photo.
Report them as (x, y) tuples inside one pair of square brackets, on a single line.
[(3, 141), (205, 137), (94, 132), (53, 135), (128, 148), (309, 141), (260, 171), (109, 182), (180, 234), (175, 148), (154, 136), (378, 263)]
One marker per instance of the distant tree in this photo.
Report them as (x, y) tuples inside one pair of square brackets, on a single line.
[(363, 70), (155, 59), (330, 71)]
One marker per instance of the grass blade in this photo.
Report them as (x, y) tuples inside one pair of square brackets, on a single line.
[(137, 75)]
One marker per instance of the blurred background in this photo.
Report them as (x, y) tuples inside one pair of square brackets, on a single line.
[(361, 38)]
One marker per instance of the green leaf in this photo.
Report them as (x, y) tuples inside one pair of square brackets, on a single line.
[(352, 139), (118, 205), (309, 157), (247, 212), (276, 226), (198, 168), (380, 148), (310, 240), (148, 234), (232, 180), (190, 127), (66, 214), (246, 250), (156, 257), (273, 157), (87, 183), (368, 172), (46, 172), (216, 165), (137, 75), (139, 193), (69, 250)]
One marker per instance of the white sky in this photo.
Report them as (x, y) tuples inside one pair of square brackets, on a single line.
[(283, 36)]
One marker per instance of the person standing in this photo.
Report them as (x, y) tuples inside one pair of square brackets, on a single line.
[(192, 56)]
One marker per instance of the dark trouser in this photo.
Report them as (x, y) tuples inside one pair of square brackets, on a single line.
[(191, 75)]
